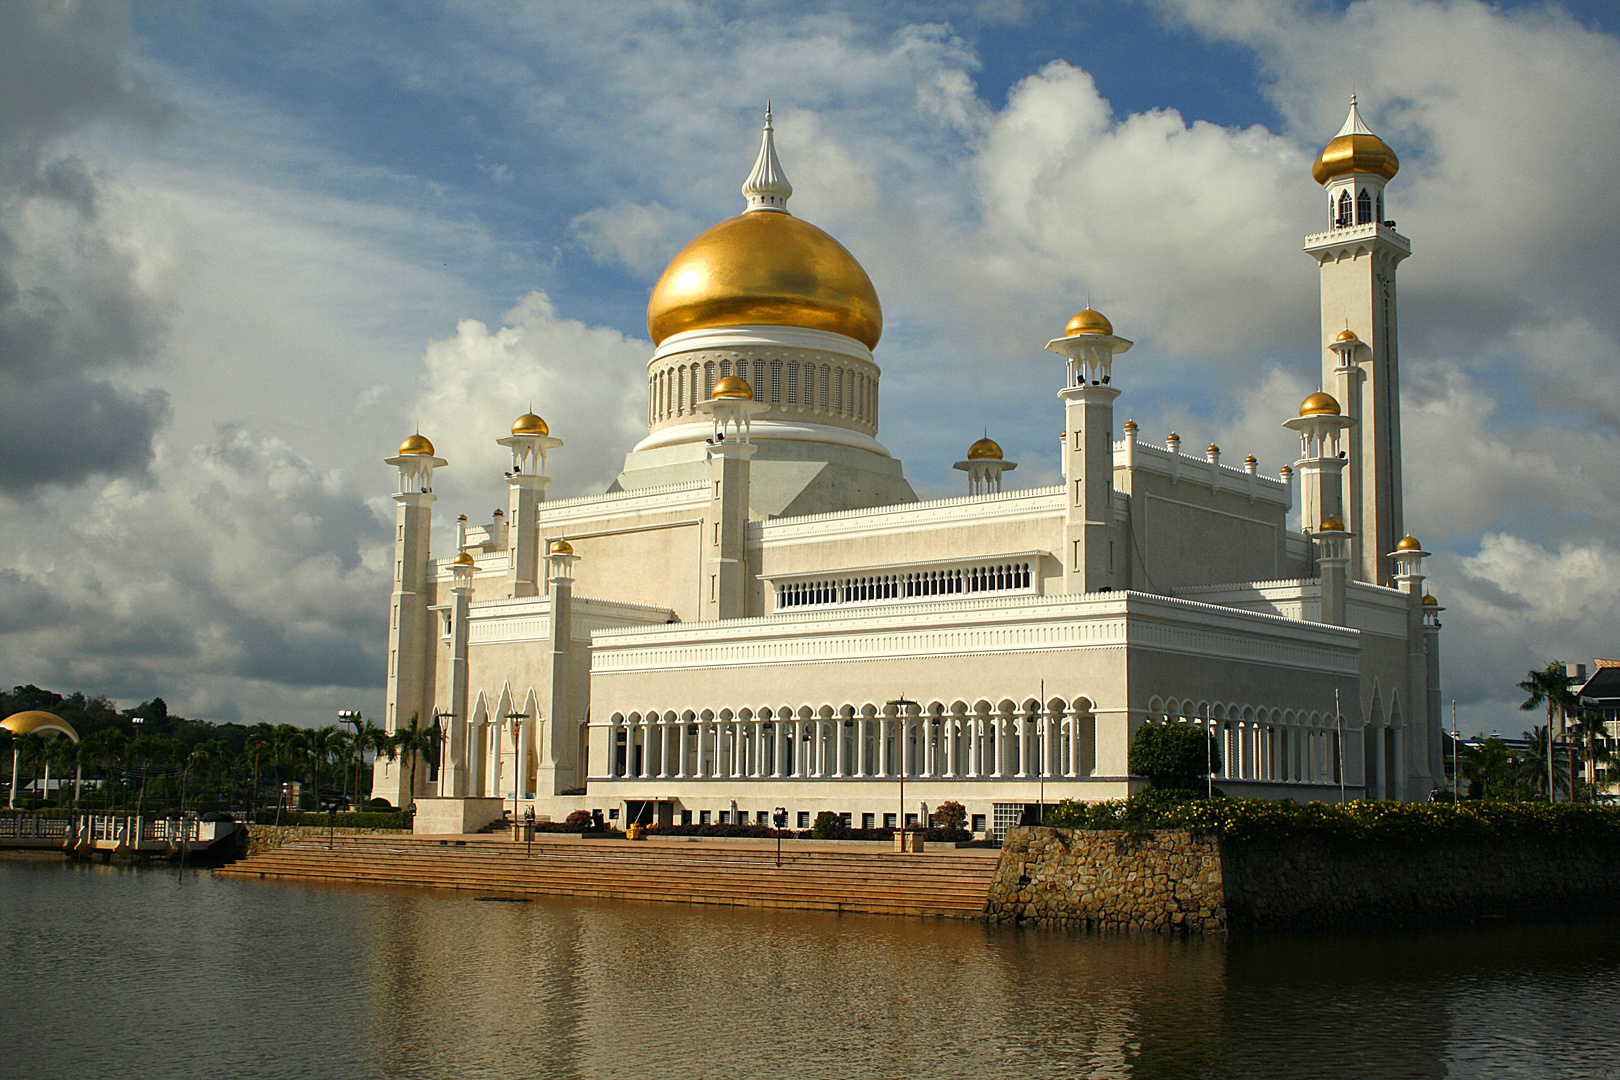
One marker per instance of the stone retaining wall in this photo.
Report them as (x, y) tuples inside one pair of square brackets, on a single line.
[(262, 838), (1174, 881), (1109, 880)]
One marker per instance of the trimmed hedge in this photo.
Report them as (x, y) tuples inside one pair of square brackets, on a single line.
[(936, 836), (1411, 823), (367, 819)]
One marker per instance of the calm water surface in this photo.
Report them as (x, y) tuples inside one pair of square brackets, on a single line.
[(107, 971)]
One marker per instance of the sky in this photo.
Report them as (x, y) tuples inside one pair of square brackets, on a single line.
[(245, 248)]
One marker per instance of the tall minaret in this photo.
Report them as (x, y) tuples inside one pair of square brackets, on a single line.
[(1358, 254), (529, 442), (411, 634), (1089, 559), (725, 545)]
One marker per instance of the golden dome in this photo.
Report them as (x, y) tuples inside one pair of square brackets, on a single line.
[(1130, 425), (1409, 543), (1251, 460), (733, 386), (1286, 470), (1088, 322), (1172, 437), (986, 449), (464, 559), (416, 444), (1347, 334), (1429, 601), (1332, 524), (561, 547), (765, 268), (1212, 449), (1357, 152), (32, 720), (1319, 404), (530, 424)]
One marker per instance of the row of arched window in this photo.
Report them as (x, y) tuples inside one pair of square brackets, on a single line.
[(1000, 577), (824, 388), (1364, 209)]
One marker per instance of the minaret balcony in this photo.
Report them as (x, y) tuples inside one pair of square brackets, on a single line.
[(1354, 240)]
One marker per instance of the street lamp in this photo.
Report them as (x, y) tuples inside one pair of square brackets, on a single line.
[(780, 817), (901, 704), (353, 717), (439, 717), (517, 765)]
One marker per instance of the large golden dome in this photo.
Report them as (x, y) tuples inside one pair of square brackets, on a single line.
[(765, 268), (32, 721)]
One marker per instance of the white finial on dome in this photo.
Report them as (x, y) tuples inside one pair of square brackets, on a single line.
[(1352, 123), (767, 187)]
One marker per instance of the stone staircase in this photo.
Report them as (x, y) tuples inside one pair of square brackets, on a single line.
[(953, 884)]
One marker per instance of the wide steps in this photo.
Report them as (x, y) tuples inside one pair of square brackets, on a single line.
[(955, 886)]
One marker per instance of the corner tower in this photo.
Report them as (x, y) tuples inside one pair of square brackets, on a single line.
[(1357, 256)]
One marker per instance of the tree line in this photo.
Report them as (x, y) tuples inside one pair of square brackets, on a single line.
[(1494, 769), (144, 758)]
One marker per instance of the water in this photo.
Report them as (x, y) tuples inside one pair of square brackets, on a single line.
[(107, 971)]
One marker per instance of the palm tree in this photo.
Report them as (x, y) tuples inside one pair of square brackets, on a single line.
[(322, 744), (1488, 766), (31, 747), (415, 741), (104, 750), (1591, 734), (1534, 770), (289, 746), (1549, 686), (260, 745), (67, 756)]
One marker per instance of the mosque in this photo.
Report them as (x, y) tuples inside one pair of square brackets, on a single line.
[(759, 613)]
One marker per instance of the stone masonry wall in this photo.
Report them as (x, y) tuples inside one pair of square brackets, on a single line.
[(263, 838), (1109, 880), (1171, 881)]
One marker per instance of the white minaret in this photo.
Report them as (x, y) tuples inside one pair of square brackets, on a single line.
[(411, 637), (1090, 346), (1357, 255), (529, 442), (1321, 463), (725, 568)]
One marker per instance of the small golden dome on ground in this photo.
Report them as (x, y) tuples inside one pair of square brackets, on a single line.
[(416, 444), (1347, 334), (561, 547), (1409, 543), (1088, 322), (1332, 524), (1319, 404), (36, 720), (530, 424), (1430, 601), (733, 386), (464, 559), (986, 449)]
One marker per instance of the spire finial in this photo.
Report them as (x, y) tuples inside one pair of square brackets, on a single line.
[(767, 187), (1353, 124)]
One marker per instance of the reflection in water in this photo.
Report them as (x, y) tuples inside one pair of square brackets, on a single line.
[(189, 976)]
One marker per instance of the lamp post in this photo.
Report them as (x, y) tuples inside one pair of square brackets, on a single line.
[(439, 718), (353, 718), (1455, 775), (901, 704), (517, 766), (780, 817), (140, 800)]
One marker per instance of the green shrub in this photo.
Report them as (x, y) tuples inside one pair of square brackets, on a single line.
[(379, 804), (1173, 755), (827, 826), (949, 815), (393, 819)]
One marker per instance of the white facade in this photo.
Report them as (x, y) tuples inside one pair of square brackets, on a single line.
[(759, 613)]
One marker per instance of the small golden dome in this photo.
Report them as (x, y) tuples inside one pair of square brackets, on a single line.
[(1409, 543), (1251, 460), (1429, 601), (461, 517), (1319, 404), (765, 268), (986, 449), (464, 559), (561, 547), (1332, 524), (1286, 470), (416, 444), (499, 512), (1088, 322), (35, 720), (1357, 152), (733, 386), (1172, 437), (1346, 334), (1130, 425), (1212, 449), (530, 424)]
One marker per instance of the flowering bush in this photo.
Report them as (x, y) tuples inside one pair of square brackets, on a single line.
[(949, 815)]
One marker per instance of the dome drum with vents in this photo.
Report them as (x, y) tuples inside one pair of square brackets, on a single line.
[(416, 462), (1320, 424), (1090, 345), (984, 465), (530, 442)]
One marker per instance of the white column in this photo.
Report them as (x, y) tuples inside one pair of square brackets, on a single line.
[(883, 767), (860, 746), (1023, 745), (680, 766), (839, 765), (758, 770), (799, 769)]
